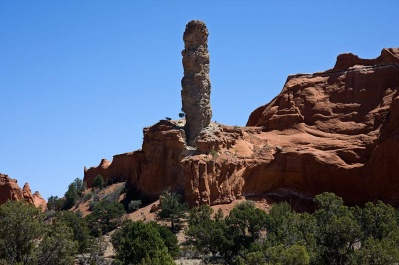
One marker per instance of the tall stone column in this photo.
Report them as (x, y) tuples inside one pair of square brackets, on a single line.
[(196, 85)]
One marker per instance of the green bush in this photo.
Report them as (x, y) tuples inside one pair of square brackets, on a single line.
[(71, 196), (114, 195), (134, 205), (79, 185), (98, 182), (87, 196), (171, 207), (140, 243), (25, 238), (57, 246), (95, 200), (293, 255), (21, 225), (54, 203), (168, 238), (79, 226), (106, 216)]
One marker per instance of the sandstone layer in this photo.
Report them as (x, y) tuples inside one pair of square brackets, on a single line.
[(334, 131), (9, 190), (196, 85)]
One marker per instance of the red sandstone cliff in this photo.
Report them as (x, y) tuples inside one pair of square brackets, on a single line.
[(9, 190), (335, 131)]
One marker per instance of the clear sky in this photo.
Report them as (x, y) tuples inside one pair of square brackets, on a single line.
[(80, 79)]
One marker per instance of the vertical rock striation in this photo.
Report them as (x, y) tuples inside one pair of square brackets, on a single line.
[(195, 83)]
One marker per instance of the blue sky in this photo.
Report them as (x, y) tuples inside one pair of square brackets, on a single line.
[(80, 79)]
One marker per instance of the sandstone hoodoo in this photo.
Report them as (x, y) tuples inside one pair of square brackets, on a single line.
[(196, 85), (10, 190), (333, 131)]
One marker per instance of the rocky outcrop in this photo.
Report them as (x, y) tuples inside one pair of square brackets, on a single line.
[(27, 193), (154, 168), (334, 131), (196, 83), (38, 200), (9, 190), (91, 173), (345, 121)]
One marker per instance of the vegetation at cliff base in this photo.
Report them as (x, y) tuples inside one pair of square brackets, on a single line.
[(171, 208), (98, 182), (144, 243), (333, 234)]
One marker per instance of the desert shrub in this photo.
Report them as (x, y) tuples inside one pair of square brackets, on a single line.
[(172, 208), (207, 234), (57, 246), (21, 225), (26, 239), (140, 243), (95, 200), (114, 195), (98, 182), (79, 185), (71, 197), (95, 253), (134, 205), (106, 216), (249, 220), (87, 196), (54, 203), (79, 226), (160, 256), (168, 238), (214, 153), (293, 255)]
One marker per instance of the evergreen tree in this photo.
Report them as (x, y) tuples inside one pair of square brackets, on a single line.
[(140, 243), (21, 227), (105, 217), (79, 226), (70, 197), (171, 208)]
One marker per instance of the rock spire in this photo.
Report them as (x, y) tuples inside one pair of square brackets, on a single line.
[(196, 85)]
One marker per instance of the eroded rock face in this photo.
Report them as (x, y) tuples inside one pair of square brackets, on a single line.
[(335, 131), (27, 193), (196, 83), (153, 169), (9, 190), (39, 201), (345, 121)]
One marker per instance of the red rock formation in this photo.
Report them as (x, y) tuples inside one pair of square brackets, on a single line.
[(331, 131), (9, 190), (91, 173), (27, 193), (152, 169), (344, 120), (38, 200)]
